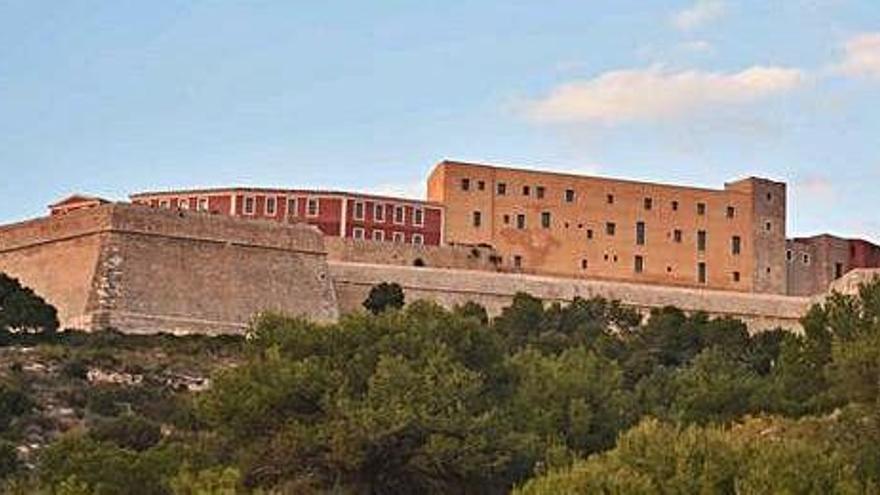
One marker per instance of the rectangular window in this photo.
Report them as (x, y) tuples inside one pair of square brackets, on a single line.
[(539, 192), (481, 185), (379, 235), (789, 255), (526, 190), (701, 272), (312, 207), (701, 240), (357, 233), (806, 258), (610, 227), (735, 245), (397, 237), (569, 195), (506, 219), (736, 276), (589, 233), (639, 264), (501, 188), (379, 212), (399, 215), (477, 218), (465, 184), (838, 270), (517, 261), (183, 204), (292, 207), (271, 206), (545, 219), (609, 199), (731, 212), (676, 236), (164, 203), (418, 217), (675, 206), (768, 226), (358, 210), (203, 204), (418, 239), (520, 221), (640, 233), (649, 203), (701, 208), (249, 203)]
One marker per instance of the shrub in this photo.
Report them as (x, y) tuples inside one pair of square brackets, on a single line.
[(383, 297)]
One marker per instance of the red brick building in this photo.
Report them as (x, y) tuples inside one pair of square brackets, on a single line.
[(335, 213), (814, 262)]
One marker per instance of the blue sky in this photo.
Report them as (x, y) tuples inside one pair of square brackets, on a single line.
[(114, 97)]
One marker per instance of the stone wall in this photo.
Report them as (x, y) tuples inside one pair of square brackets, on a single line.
[(405, 254), (495, 290), (140, 269)]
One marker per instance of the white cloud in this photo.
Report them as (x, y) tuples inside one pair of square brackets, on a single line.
[(654, 93), (861, 56), (816, 188), (699, 14)]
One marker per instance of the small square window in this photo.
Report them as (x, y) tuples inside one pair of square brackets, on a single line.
[(736, 276), (589, 233), (358, 210), (477, 218), (379, 235), (465, 184), (539, 192), (397, 237), (357, 233), (806, 258), (545, 219), (526, 190), (202, 204), (399, 215), (610, 227), (789, 255), (292, 207), (701, 208), (164, 203), (506, 219), (183, 204), (569, 195), (418, 239), (609, 199), (520, 221), (517, 261), (378, 212), (271, 206), (649, 203), (501, 188), (676, 236), (731, 212), (481, 185), (313, 207), (584, 264), (675, 206), (418, 217), (768, 226), (249, 205)]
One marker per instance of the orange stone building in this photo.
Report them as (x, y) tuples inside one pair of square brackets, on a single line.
[(571, 225)]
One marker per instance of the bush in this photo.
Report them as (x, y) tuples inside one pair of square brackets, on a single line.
[(22, 309), (383, 297), (9, 462), (128, 431)]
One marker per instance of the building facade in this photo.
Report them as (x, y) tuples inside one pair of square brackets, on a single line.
[(338, 214), (813, 263), (571, 225)]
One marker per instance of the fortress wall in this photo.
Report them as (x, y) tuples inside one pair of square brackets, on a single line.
[(496, 290), (405, 254)]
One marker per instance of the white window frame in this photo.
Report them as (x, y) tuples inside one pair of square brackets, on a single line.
[(244, 205), (418, 239), (398, 237), (165, 203), (295, 202), (379, 212), (358, 233), (183, 204), (317, 204), (204, 200), (363, 208), (378, 235), (420, 216), (402, 210), (274, 201)]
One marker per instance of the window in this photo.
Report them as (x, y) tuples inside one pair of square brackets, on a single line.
[(249, 205), (701, 208), (609, 199), (397, 237), (675, 206), (701, 240), (418, 217), (545, 219), (465, 184), (731, 212), (806, 259), (520, 221), (501, 188), (312, 207), (418, 239), (838, 270), (640, 233), (768, 226), (292, 207), (736, 276), (569, 195), (676, 236), (649, 203), (379, 235), (357, 232), (610, 227), (584, 264), (183, 204), (481, 185), (399, 213), (589, 233), (379, 212), (517, 261), (539, 192), (271, 206), (506, 219), (769, 198), (639, 264), (526, 190), (789, 255), (735, 245), (164, 203), (701, 272), (358, 210), (202, 204), (477, 218)]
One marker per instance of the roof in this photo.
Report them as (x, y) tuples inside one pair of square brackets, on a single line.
[(78, 198), (275, 190)]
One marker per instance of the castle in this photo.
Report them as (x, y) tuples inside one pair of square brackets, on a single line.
[(206, 260)]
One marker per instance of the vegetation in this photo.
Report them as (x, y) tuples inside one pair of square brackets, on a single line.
[(23, 310), (576, 398), (383, 297)]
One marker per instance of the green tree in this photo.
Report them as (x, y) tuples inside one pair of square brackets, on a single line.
[(22, 309), (383, 297)]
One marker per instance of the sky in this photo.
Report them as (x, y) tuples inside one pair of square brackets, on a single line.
[(115, 97)]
